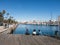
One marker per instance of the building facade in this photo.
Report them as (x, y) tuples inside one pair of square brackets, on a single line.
[(1, 19), (58, 20)]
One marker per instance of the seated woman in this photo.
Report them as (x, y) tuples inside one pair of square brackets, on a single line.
[(39, 32), (56, 32), (34, 32), (27, 32)]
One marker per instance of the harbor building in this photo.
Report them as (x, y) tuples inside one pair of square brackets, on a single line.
[(58, 20)]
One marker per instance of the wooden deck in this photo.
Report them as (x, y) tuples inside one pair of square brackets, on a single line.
[(11, 39)]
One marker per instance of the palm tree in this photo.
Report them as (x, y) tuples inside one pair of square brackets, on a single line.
[(7, 16), (3, 12), (2, 17), (10, 19)]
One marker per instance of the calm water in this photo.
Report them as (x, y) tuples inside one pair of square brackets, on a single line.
[(46, 30)]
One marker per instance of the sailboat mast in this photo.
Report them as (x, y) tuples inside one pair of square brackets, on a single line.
[(51, 16)]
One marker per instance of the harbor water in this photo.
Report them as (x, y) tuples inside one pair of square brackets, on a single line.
[(45, 30)]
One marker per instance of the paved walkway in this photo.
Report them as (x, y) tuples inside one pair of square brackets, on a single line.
[(2, 28), (16, 39)]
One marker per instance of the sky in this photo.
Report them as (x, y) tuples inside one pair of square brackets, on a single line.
[(28, 10)]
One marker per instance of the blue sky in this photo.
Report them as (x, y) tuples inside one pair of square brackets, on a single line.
[(27, 10)]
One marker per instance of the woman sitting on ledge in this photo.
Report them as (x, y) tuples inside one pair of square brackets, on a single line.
[(27, 32), (39, 32), (34, 32)]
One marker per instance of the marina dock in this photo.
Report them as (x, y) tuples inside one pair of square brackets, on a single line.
[(18, 39)]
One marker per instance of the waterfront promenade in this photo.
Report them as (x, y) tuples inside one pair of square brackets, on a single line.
[(17, 39), (7, 29)]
